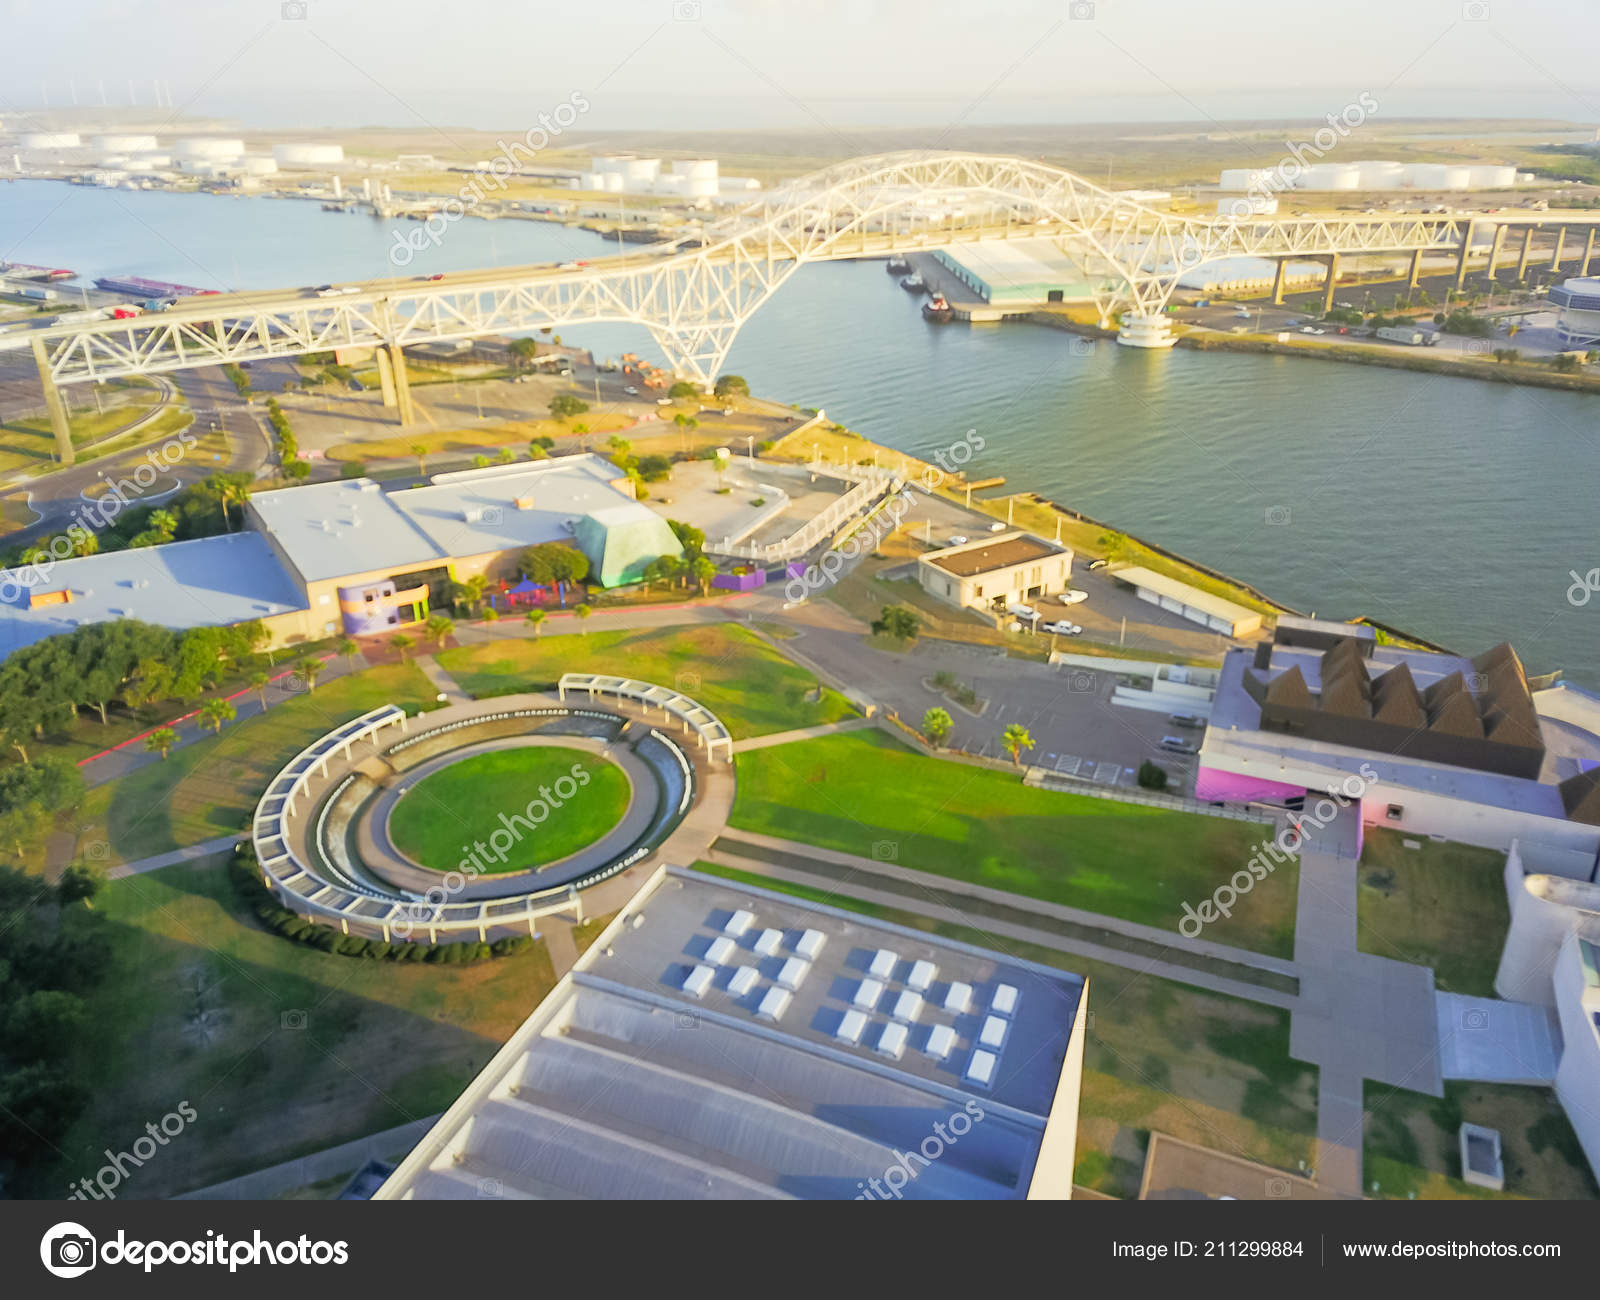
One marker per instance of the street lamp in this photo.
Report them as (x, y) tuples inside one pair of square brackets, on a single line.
[(750, 448)]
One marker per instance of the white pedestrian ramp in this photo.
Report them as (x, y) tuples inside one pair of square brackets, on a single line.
[(1490, 1041)]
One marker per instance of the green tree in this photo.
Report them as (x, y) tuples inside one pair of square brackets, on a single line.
[(898, 621), (349, 647), (692, 539), (1016, 739), (523, 352), (937, 726), (703, 571), (684, 390), (233, 493), (259, 681), (420, 451), (664, 568), (1152, 776), (43, 1024), (553, 562), (533, 618), (439, 629), (732, 386), (401, 643), (505, 455), (215, 713), (581, 613), (565, 405), (469, 595), (163, 522), (84, 542), (79, 882), (310, 667)]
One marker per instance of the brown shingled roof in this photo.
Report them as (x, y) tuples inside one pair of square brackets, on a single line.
[(1289, 689), (1580, 796)]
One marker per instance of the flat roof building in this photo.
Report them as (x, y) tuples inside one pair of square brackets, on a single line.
[(659, 1069), (1215, 612), (992, 572)]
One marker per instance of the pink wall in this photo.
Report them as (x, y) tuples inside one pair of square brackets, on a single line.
[(1213, 785)]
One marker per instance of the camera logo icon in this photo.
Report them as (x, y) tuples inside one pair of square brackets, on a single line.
[(686, 11), (1278, 1188), (292, 1020), (1474, 1018), (293, 11), (885, 851), (1081, 11), (491, 514), (1279, 515), (68, 1250), (688, 683), (688, 1020)]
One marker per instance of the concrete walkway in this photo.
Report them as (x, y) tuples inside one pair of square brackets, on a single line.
[(205, 849), (1359, 1017), (800, 733), (445, 684)]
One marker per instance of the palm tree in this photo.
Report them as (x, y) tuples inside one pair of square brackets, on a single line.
[(234, 495), (259, 681), (308, 668), (1015, 740), (349, 647), (470, 593), (581, 613), (401, 642), (213, 713), (506, 455), (160, 741), (533, 618), (84, 543), (439, 628), (936, 726), (163, 522), (704, 570), (420, 451)]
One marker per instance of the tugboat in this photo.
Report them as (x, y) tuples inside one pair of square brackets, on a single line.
[(937, 310), (913, 283), (898, 266)]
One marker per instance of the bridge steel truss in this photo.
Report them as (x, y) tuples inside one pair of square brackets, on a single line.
[(693, 295)]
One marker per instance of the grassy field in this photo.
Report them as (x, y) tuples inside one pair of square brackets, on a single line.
[(735, 674), (209, 788), (1160, 1056), (281, 1049), (1412, 1143), (441, 817), (1441, 905), (862, 792), (515, 434), (30, 444)]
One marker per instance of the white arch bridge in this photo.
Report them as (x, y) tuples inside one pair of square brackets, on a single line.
[(693, 296)]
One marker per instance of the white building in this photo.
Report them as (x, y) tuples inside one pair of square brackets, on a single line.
[(1577, 303)]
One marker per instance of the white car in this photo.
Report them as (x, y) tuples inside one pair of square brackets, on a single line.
[(1022, 611), (955, 541), (1073, 596), (631, 391), (1061, 628), (997, 528), (1311, 329)]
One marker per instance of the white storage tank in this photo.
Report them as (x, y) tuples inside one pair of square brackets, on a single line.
[(150, 161), (1330, 176), (304, 154), (1238, 179), (640, 173), (696, 169), (216, 148), (1492, 177), (50, 140), (1379, 174), (258, 165), (122, 144)]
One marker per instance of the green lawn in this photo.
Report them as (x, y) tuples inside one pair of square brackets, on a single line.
[(862, 792), (280, 1049), (209, 788), (1159, 1055), (735, 674), (1440, 905), (1412, 1142), (582, 797)]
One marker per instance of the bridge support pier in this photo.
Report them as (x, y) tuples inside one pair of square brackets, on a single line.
[(1494, 252), (1588, 252), (1555, 257), (1415, 273), (1277, 281), (402, 384), (385, 376), (55, 405), (1522, 258), (1330, 283), (1461, 257)]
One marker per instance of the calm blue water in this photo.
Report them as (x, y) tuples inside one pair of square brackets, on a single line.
[(1453, 508)]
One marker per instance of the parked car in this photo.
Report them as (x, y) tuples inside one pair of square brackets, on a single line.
[(1177, 745), (1073, 596), (663, 401), (631, 391), (1061, 628), (1096, 565), (957, 540), (997, 527), (1311, 329), (1186, 720), (1019, 610), (437, 275)]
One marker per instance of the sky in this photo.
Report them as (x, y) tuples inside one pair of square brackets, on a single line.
[(698, 64)]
